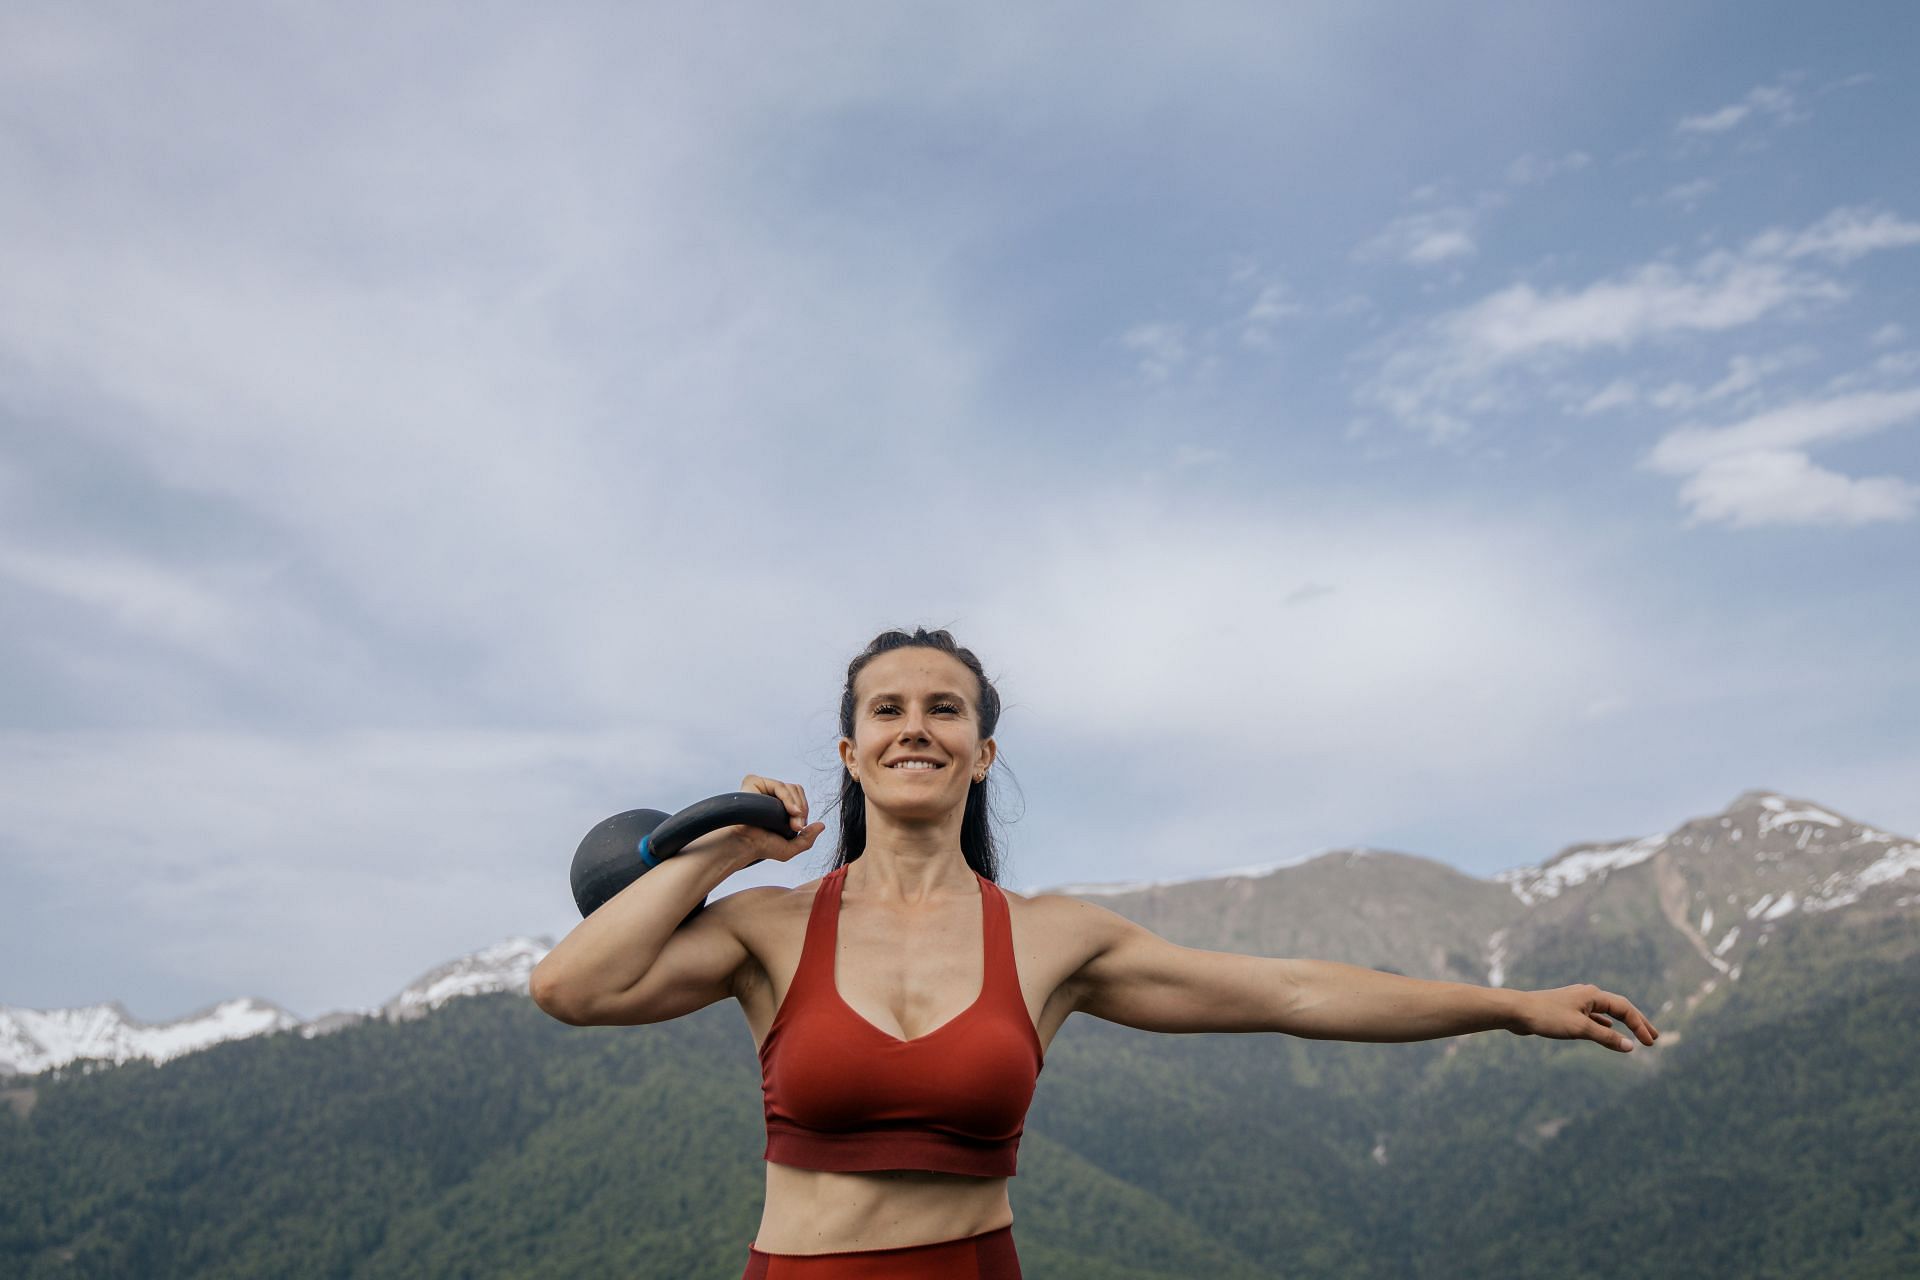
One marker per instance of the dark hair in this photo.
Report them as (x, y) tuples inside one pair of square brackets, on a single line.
[(976, 830)]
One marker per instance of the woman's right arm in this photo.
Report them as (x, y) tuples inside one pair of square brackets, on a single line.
[(633, 961)]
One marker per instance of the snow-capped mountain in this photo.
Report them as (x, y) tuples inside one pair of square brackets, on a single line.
[(32, 1040), (1697, 899), (505, 966), (1721, 883), (1689, 903)]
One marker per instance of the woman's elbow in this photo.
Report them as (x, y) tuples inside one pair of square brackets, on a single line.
[(554, 997)]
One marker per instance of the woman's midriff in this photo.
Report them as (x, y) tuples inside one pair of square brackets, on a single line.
[(814, 1211)]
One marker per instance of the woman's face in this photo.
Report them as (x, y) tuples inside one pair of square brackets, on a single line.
[(916, 704)]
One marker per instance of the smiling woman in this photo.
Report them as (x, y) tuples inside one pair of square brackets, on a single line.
[(903, 1002)]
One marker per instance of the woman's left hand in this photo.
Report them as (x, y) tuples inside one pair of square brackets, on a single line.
[(1581, 1012)]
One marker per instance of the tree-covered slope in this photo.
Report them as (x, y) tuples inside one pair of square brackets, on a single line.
[(487, 1140)]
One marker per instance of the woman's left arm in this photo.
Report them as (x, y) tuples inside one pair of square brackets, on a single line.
[(1136, 978)]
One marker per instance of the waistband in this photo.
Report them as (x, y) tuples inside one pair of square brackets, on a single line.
[(989, 1255)]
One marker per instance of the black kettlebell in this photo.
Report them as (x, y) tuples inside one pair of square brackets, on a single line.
[(626, 846)]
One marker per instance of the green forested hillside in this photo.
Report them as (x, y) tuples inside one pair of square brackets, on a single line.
[(1773, 1139)]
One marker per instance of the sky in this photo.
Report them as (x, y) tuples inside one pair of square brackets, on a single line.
[(424, 432)]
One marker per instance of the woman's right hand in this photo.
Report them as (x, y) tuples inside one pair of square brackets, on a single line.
[(747, 845)]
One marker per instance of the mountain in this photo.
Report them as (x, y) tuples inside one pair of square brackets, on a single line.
[(1667, 919), (34, 1040), (1769, 1133)]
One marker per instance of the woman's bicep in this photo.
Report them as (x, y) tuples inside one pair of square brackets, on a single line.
[(698, 966), (1134, 977)]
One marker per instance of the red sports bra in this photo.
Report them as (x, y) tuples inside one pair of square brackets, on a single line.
[(843, 1095)]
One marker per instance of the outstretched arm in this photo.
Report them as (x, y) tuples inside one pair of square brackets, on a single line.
[(1138, 979)]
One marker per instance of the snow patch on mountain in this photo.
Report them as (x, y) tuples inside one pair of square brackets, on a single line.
[(505, 966), (1778, 811), (1841, 889), (1537, 884), (33, 1040)]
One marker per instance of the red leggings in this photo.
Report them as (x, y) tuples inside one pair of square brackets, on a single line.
[(987, 1256)]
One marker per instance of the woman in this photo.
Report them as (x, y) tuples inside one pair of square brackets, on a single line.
[(903, 1002)]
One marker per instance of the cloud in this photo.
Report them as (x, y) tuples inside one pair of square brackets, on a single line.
[(1161, 347), (1757, 472), (1617, 394), (1531, 170), (1247, 316), (1424, 239), (1482, 359), (1744, 373), (1458, 367), (1784, 487), (1273, 304), (1841, 236), (1720, 292), (1807, 423), (1775, 101), (1688, 195)]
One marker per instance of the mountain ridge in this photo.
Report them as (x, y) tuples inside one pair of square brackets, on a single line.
[(1381, 908)]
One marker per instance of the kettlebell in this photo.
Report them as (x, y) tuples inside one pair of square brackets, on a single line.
[(621, 849)]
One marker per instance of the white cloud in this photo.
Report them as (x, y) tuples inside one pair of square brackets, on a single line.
[(1744, 373), (1720, 292), (1841, 236), (1775, 101), (1807, 423), (1757, 472), (1424, 239), (1480, 359), (1784, 487), (1615, 395), (1161, 347), (1273, 304), (1458, 368)]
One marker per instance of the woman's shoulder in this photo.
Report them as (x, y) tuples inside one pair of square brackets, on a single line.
[(1064, 915), (766, 905)]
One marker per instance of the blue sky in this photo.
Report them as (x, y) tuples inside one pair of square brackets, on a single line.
[(1463, 432)]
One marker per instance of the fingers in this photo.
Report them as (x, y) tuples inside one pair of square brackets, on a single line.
[(788, 850), (1624, 1009), (790, 794)]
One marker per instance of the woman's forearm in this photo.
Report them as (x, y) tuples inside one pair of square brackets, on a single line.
[(1334, 1001)]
